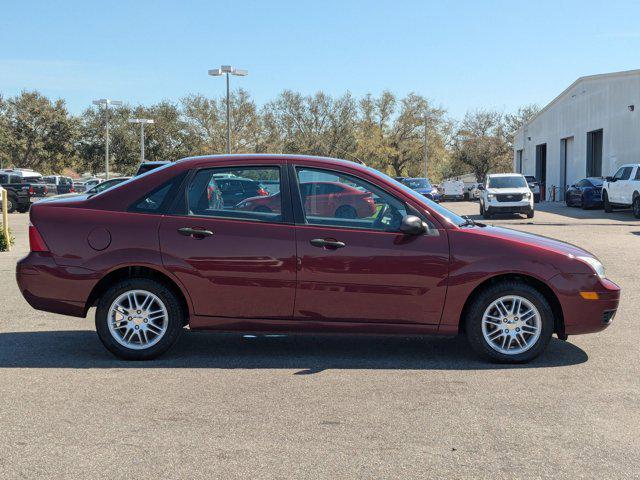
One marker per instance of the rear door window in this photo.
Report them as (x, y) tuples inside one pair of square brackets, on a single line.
[(236, 193)]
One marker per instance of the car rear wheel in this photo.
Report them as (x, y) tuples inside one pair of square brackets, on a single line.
[(138, 319), (607, 204), (509, 322), (636, 206)]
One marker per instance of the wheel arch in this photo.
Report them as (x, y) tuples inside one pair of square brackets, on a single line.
[(543, 288), (137, 271)]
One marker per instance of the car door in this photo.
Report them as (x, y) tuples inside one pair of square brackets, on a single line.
[(235, 263), (629, 186), (616, 188), (362, 269)]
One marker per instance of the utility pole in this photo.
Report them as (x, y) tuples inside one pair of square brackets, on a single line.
[(426, 148), (106, 102), (226, 70), (142, 122)]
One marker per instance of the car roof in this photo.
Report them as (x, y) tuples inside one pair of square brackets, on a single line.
[(505, 175), (278, 158)]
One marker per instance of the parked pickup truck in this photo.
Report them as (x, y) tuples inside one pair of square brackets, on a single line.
[(623, 189), (19, 194)]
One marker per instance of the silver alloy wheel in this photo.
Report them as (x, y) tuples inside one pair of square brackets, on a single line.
[(138, 319), (511, 325)]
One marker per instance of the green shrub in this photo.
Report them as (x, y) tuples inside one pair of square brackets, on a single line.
[(4, 242)]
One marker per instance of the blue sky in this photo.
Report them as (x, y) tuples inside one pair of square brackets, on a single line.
[(462, 55)]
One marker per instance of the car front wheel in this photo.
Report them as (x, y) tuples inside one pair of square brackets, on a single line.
[(509, 322), (636, 206), (607, 204), (139, 319)]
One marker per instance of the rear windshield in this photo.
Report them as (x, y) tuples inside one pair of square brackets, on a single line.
[(506, 182), (417, 183)]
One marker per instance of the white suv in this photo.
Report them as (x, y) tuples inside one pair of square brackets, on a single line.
[(623, 189), (506, 193)]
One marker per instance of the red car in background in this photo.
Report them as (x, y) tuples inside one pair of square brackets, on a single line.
[(154, 255), (321, 199)]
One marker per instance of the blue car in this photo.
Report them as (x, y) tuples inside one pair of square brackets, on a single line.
[(586, 193), (423, 187)]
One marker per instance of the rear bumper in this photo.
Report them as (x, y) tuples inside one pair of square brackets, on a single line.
[(47, 286), (581, 315)]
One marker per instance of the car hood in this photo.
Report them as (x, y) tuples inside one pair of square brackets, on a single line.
[(508, 191), (530, 239), (426, 190)]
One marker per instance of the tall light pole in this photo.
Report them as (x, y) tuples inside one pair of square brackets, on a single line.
[(426, 148), (142, 122), (228, 70), (106, 102)]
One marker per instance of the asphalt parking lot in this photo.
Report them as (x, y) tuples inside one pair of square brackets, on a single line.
[(226, 406)]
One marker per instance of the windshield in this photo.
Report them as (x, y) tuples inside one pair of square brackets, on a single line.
[(506, 182), (448, 214), (416, 183)]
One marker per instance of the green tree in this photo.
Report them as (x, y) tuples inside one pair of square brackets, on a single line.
[(37, 133), (391, 134), (481, 144)]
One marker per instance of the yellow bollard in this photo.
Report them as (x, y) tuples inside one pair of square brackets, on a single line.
[(5, 218)]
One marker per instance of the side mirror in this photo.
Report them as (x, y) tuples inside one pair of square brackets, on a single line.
[(480, 187), (412, 225), (610, 179)]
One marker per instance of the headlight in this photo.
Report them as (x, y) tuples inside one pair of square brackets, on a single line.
[(527, 195), (598, 268), (490, 196)]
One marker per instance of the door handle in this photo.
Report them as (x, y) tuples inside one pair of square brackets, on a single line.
[(322, 243), (194, 232)]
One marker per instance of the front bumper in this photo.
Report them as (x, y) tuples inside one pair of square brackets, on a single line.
[(509, 207), (582, 315)]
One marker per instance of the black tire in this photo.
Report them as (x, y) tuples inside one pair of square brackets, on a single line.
[(605, 200), (636, 206), (23, 208), (475, 312), (487, 213), (346, 211), (530, 213), (12, 204), (481, 209), (583, 203), (176, 317)]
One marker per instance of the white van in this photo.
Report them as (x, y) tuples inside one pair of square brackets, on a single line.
[(453, 190)]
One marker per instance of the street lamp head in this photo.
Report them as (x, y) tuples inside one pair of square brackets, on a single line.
[(107, 101), (228, 69), (141, 120)]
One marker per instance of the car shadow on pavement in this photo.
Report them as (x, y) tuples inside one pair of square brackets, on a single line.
[(307, 354)]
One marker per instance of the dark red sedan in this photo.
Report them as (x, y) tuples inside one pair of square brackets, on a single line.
[(154, 254)]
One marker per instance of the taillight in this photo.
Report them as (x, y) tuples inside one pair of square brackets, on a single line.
[(31, 190), (72, 190), (36, 242), (262, 192)]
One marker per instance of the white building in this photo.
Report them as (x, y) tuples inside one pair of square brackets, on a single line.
[(587, 131)]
